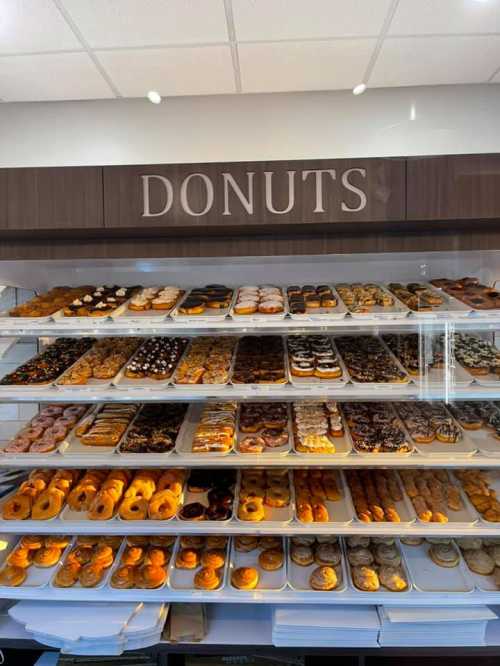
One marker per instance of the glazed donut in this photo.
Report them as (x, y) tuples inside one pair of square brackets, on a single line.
[(275, 437), (90, 575), (252, 510), (271, 559), (67, 574), (254, 444), (48, 504), (81, 497), (206, 579), (134, 508), (123, 578), (103, 555), (33, 487), (17, 508), (12, 576), (245, 578), (21, 557), (163, 505), (277, 497), (32, 433), (170, 480), (18, 445), (157, 557), (103, 506), (152, 576), (305, 512), (133, 556), (47, 557), (44, 445)]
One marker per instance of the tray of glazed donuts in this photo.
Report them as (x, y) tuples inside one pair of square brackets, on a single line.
[(316, 563), (321, 497), (263, 428), (100, 365), (153, 365), (425, 301), (370, 300), (209, 496), (254, 303), (319, 428), (433, 430), (265, 497), (30, 561), (209, 430), (437, 499), (375, 428), (142, 563), (47, 432), (376, 564), (313, 360), (436, 565), (149, 303), (43, 370), (258, 563), (199, 563), (481, 421), (210, 303), (315, 303), (87, 563), (369, 362), (207, 363)]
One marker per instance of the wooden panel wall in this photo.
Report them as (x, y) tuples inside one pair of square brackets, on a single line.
[(3, 199)]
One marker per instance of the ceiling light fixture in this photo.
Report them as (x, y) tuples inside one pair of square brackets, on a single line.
[(359, 89), (154, 97)]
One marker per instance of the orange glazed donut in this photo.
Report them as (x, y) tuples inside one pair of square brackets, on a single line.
[(103, 506), (48, 504), (134, 508), (163, 505), (81, 497), (170, 480), (17, 508)]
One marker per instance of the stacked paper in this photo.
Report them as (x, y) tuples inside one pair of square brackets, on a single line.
[(92, 628), (325, 626), (434, 626)]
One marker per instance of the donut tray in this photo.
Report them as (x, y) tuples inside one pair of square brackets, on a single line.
[(90, 322), (381, 588), (341, 511), (314, 382), (270, 386), (77, 585), (183, 579), (209, 314), (493, 478), (259, 316), (485, 441), (396, 311), (36, 577), (183, 445), (188, 497), (268, 451), (491, 312), (481, 583), (118, 562), (274, 516), (91, 383), (404, 508), (67, 515), (298, 576), (72, 446), (202, 388), (268, 580), (343, 446), (138, 317), (449, 306), (321, 314), (428, 576), (8, 495), (490, 380), (123, 383), (159, 457)]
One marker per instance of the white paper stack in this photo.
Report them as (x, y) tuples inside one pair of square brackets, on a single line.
[(434, 626), (92, 628), (325, 626)]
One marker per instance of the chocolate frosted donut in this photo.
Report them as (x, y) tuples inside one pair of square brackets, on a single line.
[(193, 511)]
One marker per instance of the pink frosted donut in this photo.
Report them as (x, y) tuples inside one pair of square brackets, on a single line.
[(52, 410), (18, 445), (75, 410), (43, 446), (65, 422), (32, 433), (56, 433), (42, 421)]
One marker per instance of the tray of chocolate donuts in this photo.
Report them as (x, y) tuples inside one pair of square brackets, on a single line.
[(426, 302), (154, 431), (258, 563), (259, 303), (30, 561), (481, 421), (142, 563), (376, 564), (208, 496), (209, 430), (374, 428), (265, 497), (263, 428), (437, 499), (209, 303), (483, 300), (207, 364), (153, 365), (313, 360), (370, 300), (149, 304), (315, 303), (481, 556), (321, 497), (316, 564), (87, 562), (319, 429), (47, 432), (260, 363), (434, 431), (369, 361), (436, 565), (99, 366), (199, 563), (100, 303), (479, 358)]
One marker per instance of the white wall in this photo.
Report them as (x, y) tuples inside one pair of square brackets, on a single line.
[(448, 119)]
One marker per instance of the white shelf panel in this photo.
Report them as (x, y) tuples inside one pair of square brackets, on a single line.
[(287, 596), (285, 392), (121, 527), (8, 326)]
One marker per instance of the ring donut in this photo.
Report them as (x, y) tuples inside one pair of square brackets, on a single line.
[(48, 504), (81, 497), (252, 510), (103, 506), (163, 505), (17, 507), (134, 508)]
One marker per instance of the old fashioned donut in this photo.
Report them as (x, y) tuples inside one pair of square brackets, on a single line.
[(17, 508), (48, 504), (277, 496), (103, 506), (170, 480), (163, 505), (134, 508), (81, 497)]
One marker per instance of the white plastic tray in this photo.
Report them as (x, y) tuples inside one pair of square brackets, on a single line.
[(450, 306), (189, 497), (429, 577), (342, 444), (36, 576), (30, 520), (118, 563), (202, 388), (383, 589), (404, 508), (259, 316), (321, 314), (493, 478), (485, 442), (72, 446), (396, 311), (298, 576), (91, 383), (183, 579), (268, 580), (465, 518), (314, 382), (184, 442), (123, 383), (159, 457), (78, 585), (274, 516), (268, 451), (210, 314), (341, 511), (133, 317), (482, 583)]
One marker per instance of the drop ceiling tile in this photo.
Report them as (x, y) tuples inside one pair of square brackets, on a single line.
[(62, 76), (282, 66), (33, 25), (296, 19), (420, 17), (171, 71), (114, 23), (419, 61)]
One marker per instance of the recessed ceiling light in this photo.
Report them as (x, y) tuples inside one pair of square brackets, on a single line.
[(359, 89), (154, 97)]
